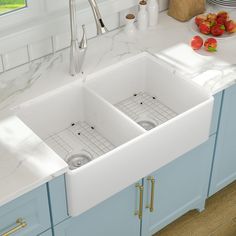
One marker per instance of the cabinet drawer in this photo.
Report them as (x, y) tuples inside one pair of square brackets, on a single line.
[(32, 208)]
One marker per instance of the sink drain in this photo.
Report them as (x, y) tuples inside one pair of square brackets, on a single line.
[(77, 160), (147, 125), (146, 122)]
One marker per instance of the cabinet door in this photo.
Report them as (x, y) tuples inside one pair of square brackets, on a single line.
[(224, 166), (47, 233), (115, 216), (179, 187), (58, 201), (29, 214), (216, 112)]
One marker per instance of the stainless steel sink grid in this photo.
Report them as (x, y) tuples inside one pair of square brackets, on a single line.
[(79, 144), (146, 110)]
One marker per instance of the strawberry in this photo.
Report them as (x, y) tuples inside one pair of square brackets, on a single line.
[(211, 45), (199, 19), (223, 14), (220, 21), (196, 42), (217, 30), (222, 17), (212, 22), (211, 16), (205, 27), (230, 26)]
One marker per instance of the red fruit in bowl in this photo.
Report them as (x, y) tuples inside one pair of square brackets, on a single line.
[(205, 27), (199, 19), (217, 30), (222, 17), (211, 16), (223, 14), (196, 42), (211, 45), (230, 26), (220, 21)]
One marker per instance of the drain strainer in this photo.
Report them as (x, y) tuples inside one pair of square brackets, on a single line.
[(77, 160), (147, 122)]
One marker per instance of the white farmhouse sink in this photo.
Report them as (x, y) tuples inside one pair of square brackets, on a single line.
[(125, 122)]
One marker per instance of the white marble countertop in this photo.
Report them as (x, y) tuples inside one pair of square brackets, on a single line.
[(25, 161)]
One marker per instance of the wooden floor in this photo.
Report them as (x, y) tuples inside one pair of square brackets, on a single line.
[(218, 219)]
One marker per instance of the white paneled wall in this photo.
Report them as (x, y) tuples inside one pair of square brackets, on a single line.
[(15, 58), (54, 5), (40, 48), (40, 36)]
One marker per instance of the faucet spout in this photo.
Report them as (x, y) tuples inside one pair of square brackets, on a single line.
[(74, 48), (101, 28), (78, 50)]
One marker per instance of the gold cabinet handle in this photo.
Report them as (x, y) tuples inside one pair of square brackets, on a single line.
[(140, 211), (20, 224), (151, 205)]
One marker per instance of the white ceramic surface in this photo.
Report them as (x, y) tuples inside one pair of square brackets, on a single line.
[(70, 104), (125, 164)]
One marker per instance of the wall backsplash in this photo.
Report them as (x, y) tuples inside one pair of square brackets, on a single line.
[(51, 34)]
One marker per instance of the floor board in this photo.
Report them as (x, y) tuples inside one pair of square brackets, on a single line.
[(218, 219)]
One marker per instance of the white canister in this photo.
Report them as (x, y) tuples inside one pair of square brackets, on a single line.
[(142, 16), (130, 28), (153, 12)]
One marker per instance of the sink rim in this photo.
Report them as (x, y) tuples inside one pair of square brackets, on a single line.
[(92, 77)]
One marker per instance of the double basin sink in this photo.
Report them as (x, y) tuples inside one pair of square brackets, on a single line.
[(123, 123)]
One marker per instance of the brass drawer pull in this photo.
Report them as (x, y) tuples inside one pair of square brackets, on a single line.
[(140, 211), (151, 205), (20, 224)]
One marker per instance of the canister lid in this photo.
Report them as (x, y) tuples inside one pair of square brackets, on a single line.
[(143, 2), (130, 16)]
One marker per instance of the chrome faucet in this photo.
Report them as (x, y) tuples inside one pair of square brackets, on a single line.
[(101, 28), (78, 50)]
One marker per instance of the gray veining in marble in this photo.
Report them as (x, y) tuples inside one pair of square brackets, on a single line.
[(169, 41)]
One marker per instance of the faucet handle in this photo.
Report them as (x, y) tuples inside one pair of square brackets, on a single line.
[(83, 43)]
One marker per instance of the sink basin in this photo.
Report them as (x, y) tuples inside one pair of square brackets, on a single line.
[(123, 123), (81, 128), (77, 125)]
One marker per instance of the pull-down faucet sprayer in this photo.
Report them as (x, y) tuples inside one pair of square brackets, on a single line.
[(78, 50), (101, 28)]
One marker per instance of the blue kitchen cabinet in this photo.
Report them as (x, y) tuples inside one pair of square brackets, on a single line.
[(58, 200), (47, 233), (224, 164), (115, 216), (29, 214), (216, 112), (177, 188)]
